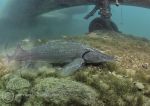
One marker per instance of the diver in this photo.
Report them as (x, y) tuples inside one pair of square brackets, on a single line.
[(105, 9), (104, 21)]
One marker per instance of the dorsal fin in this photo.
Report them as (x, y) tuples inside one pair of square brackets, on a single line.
[(9, 58), (19, 49)]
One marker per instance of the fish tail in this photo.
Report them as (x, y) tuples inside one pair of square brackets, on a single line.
[(9, 58)]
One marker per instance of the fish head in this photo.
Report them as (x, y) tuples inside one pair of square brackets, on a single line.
[(95, 56)]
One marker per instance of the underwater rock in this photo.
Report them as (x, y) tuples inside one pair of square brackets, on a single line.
[(16, 88), (92, 35), (121, 102), (116, 75), (6, 96), (32, 101), (130, 72), (147, 92), (146, 101), (131, 100), (139, 85), (6, 78), (61, 91), (1, 84), (145, 66), (104, 86), (17, 84)]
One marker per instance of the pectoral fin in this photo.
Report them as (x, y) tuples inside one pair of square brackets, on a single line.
[(72, 67)]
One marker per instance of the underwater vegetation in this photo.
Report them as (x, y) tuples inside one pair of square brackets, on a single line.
[(125, 82)]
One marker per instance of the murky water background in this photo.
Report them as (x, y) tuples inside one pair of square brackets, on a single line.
[(130, 20)]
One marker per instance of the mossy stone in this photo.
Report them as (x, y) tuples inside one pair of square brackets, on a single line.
[(17, 83), (61, 92), (6, 96)]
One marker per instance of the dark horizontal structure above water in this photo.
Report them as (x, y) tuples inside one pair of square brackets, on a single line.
[(33, 8)]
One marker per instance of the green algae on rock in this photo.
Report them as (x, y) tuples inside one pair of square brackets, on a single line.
[(62, 92), (52, 91), (17, 83), (14, 90), (6, 96), (112, 90)]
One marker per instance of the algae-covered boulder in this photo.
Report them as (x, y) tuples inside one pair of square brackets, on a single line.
[(64, 92), (16, 88), (46, 90), (17, 83), (19, 87), (6, 97)]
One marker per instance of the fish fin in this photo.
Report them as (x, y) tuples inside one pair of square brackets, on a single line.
[(9, 58), (19, 49), (72, 67), (29, 64)]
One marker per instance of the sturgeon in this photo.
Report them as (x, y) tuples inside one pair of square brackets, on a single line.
[(73, 54)]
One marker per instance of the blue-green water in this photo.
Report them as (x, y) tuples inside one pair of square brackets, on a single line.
[(129, 19), (132, 20), (70, 21)]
